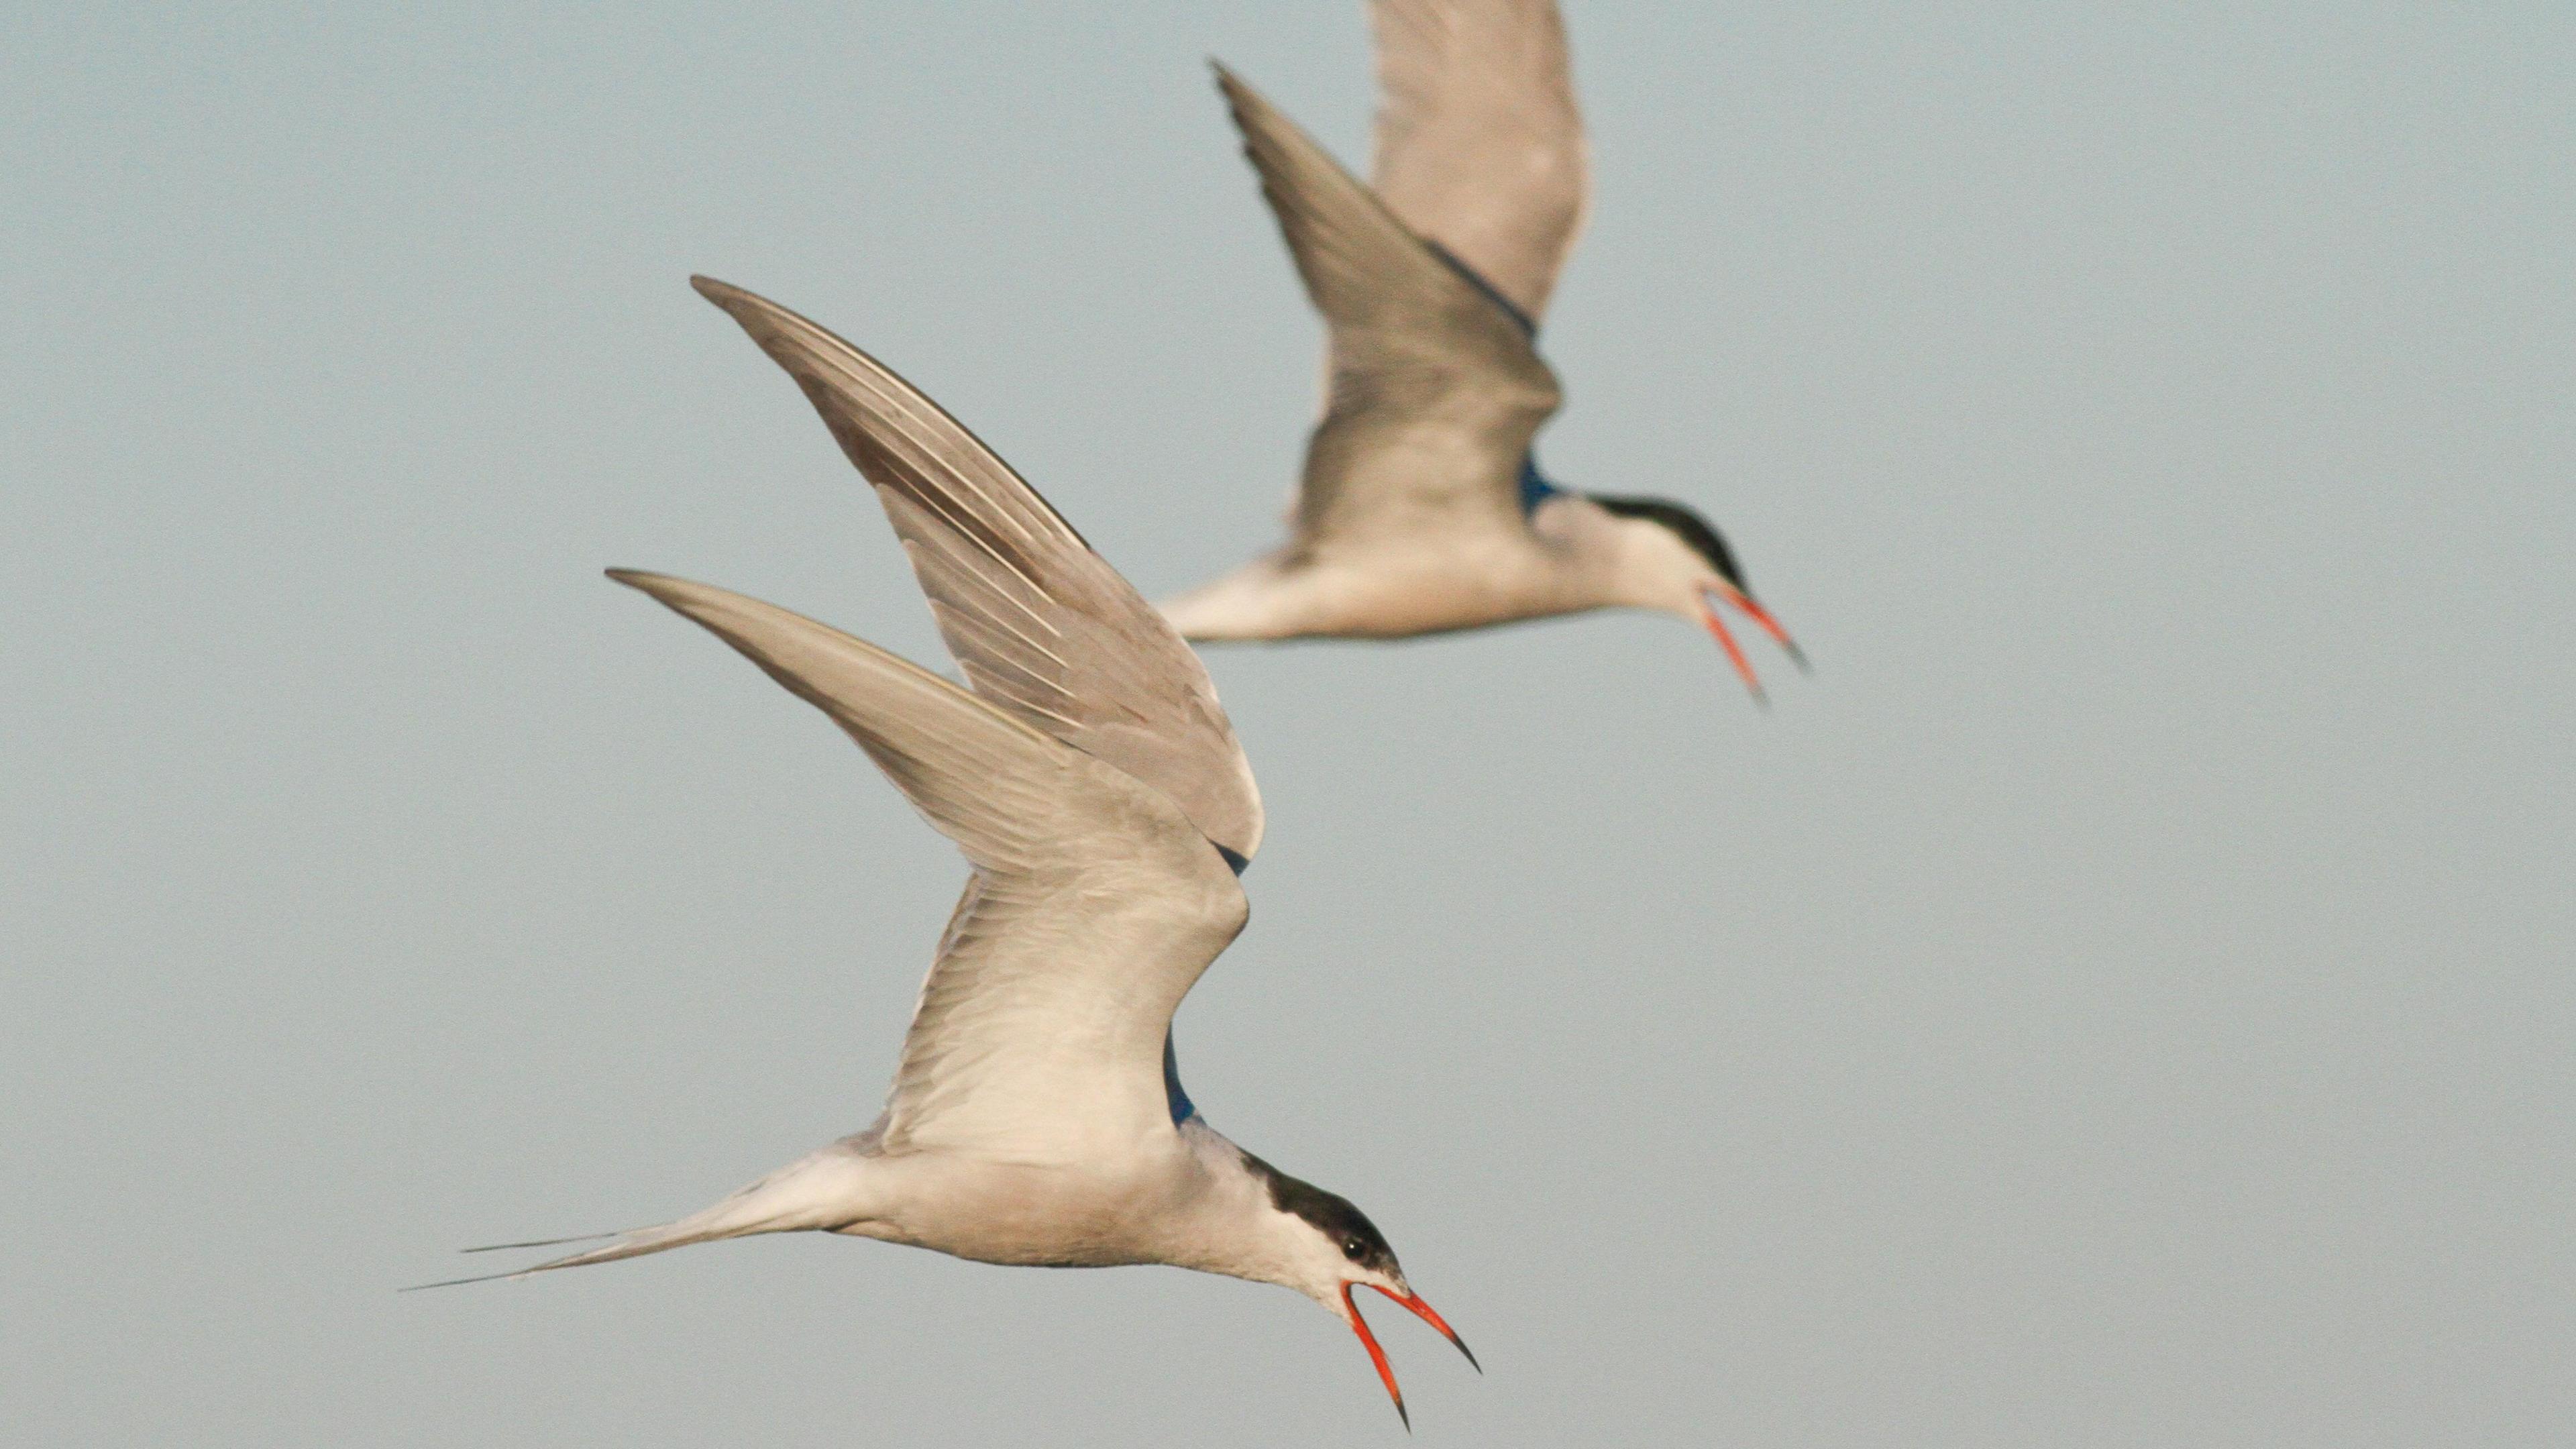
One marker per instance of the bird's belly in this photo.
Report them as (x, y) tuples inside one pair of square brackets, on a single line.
[(1022, 1214), (1393, 599)]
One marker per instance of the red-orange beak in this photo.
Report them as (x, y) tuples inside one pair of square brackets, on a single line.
[(1734, 652), (1726, 641), (1377, 1355)]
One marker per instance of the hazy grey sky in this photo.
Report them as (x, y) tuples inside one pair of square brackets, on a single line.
[(2122, 999)]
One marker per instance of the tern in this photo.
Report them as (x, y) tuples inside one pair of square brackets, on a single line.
[(1422, 508), (1095, 785)]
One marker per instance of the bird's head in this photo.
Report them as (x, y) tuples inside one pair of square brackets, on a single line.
[(1671, 559), (1327, 1249)]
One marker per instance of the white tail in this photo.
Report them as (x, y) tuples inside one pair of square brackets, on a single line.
[(820, 1191)]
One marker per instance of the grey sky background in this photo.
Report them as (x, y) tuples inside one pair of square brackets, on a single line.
[(2123, 998)]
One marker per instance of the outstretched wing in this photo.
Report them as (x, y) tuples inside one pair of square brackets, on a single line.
[(1041, 625), (1479, 145), (1434, 391), (1094, 906)]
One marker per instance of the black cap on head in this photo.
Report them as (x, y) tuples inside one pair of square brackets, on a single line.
[(1689, 527), (1331, 1214), (1370, 1261)]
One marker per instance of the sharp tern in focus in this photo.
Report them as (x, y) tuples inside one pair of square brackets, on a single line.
[(1422, 508), (1095, 785)]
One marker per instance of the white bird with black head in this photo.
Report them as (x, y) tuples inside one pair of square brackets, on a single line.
[(1096, 787), (1422, 508)]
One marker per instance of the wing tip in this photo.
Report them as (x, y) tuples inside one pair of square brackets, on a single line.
[(1240, 97), (758, 315), (724, 294), (682, 596), (792, 339)]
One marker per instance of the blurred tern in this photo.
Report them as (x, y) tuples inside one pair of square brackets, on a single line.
[(1422, 508), (1096, 787)]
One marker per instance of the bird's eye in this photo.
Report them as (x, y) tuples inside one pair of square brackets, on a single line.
[(1354, 1247)]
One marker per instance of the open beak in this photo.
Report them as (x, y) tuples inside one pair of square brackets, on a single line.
[(1734, 651), (1377, 1355), (1709, 599)]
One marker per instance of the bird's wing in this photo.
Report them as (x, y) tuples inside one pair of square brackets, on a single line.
[(1094, 906), (1479, 145), (1041, 625), (1434, 390)]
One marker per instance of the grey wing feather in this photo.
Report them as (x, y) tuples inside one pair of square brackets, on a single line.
[(1434, 390), (1479, 145), (977, 774), (1095, 903), (1041, 625)]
